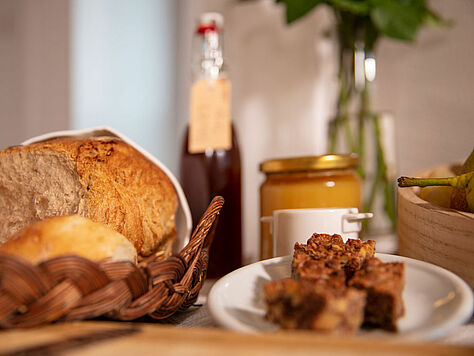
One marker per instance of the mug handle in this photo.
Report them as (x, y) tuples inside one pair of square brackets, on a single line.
[(352, 222)]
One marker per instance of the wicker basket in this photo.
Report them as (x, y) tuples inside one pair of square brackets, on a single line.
[(74, 288)]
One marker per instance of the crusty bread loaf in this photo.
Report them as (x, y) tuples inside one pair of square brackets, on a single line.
[(65, 235), (104, 179)]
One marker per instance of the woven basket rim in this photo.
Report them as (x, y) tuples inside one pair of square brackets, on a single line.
[(71, 287)]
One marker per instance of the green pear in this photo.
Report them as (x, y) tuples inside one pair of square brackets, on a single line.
[(440, 196), (464, 183), (458, 196), (468, 165)]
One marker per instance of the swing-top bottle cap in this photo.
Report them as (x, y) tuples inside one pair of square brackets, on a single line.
[(214, 19)]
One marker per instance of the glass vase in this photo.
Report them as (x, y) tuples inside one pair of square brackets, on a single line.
[(357, 128)]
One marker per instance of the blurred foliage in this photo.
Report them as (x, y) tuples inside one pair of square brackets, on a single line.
[(397, 19), (359, 24)]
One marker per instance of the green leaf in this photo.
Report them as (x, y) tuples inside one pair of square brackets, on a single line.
[(296, 9), (398, 19), (431, 18), (358, 7)]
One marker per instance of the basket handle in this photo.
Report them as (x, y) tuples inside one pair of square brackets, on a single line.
[(203, 234)]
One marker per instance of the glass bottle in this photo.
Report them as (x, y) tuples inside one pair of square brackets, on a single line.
[(210, 160)]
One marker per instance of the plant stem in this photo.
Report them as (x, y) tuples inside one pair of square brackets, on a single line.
[(333, 135), (389, 204), (364, 108), (369, 203), (353, 30), (348, 132)]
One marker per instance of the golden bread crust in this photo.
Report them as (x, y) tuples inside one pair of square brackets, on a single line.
[(121, 188), (66, 235)]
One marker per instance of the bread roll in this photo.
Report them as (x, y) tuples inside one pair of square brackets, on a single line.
[(66, 235), (103, 179)]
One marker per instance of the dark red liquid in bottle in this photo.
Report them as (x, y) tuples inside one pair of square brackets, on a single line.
[(203, 176)]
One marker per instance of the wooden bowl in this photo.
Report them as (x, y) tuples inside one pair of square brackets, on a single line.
[(442, 236)]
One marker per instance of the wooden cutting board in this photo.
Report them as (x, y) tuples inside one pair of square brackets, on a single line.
[(118, 338)]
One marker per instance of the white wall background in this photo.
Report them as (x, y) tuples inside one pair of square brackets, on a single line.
[(429, 88), (123, 70), (34, 68), (284, 88), (127, 64)]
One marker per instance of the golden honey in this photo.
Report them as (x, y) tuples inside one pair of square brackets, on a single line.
[(328, 181)]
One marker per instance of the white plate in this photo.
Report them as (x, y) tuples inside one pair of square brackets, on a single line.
[(436, 300)]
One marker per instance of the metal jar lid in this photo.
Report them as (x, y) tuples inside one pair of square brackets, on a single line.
[(310, 163)]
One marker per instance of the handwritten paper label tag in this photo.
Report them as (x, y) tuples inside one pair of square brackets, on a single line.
[(210, 124)]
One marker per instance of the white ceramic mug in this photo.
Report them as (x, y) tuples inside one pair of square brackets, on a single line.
[(289, 226)]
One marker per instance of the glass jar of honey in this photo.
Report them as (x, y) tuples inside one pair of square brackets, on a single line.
[(328, 181)]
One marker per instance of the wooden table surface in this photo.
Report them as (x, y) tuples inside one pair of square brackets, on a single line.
[(193, 332), (117, 338)]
